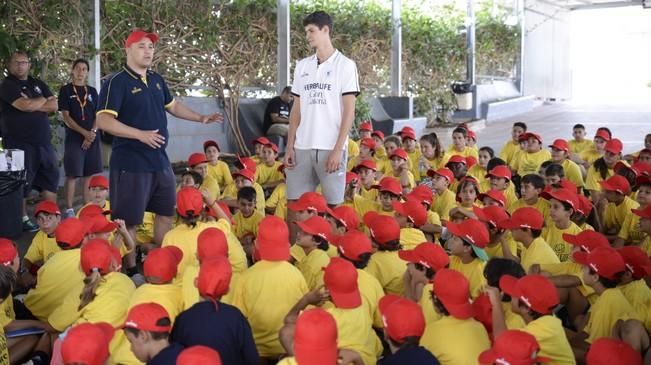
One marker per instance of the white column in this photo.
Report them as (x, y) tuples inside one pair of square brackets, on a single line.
[(396, 49), (282, 78), (94, 76)]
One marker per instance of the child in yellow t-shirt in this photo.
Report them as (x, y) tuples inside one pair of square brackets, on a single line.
[(501, 244), (276, 204), (365, 129), (217, 169), (471, 140), (467, 192), (562, 204), (400, 169), (512, 147), (589, 155), (616, 190), (529, 161), (432, 228), (433, 156), (247, 218), (98, 188), (385, 264), (199, 163), (579, 143), (267, 173), (390, 145), (638, 265), (410, 145), (258, 145), (389, 191), (445, 199), (43, 246), (466, 245), (479, 170), (496, 268), (526, 226), (242, 178), (366, 170), (459, 144), (313, 237), (411, 215), (500, 180), (560, 151), (603, 168), (459, 166), (366, 152), (531, 186), (378, 138), (583, 213), (631, 232), (492, 197)]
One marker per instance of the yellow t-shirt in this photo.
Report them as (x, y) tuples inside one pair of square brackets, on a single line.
[(541, 205), (639, 295), (268, 174), (630, 231), (371, 292), (278, 201), (513, 321), (370, 194), (145, 231), (353, 148), (496, 249), (478, 173), (509, 151), (593, 178), (574, 269), (646, 245), (246, 225), (552, 340), (411, 237), (590, 155), (388, 268), (467, 151), (185, 238), (4, 351), (51, 290), (264, 294), (414, 163), (444, 203), (230, 192), (221, 173), (7, 313), (573, 172), (615, 215), (410, 178), (610, 307), (473, 271), (110, 304), (529, 163), (539, 252), (354, 331), (311, 266), (212, 186), (288, 361), (554, 238), (167, 295), (427, 305), (455, 341), (434, 164), (578, 147), (41, 248)]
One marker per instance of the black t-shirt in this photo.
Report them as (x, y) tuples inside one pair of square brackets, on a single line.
[(167, 356), (278, 106), (224, 329), (71, 98), (412, 355), (26, 127)]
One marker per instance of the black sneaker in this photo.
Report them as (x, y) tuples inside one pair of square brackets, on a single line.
[(29, 226)]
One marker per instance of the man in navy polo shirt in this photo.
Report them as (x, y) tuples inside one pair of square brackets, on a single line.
[(25, 103), (132, 105)]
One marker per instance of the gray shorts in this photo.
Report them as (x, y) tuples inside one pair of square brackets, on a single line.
[(310, 170)]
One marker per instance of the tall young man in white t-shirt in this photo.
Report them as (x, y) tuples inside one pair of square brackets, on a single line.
[(325, 86)]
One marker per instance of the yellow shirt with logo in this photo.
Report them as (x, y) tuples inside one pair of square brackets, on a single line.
[(41, 248), (455, 341), (7, 313), (278, 201), (538, 252), (473, 271), (221, 173), (552, 340), (554, 238), (388, 268), (610, 307)]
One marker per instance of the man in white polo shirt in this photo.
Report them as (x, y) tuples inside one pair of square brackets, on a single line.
[(325, 86)]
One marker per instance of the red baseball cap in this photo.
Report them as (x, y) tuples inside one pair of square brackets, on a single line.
[(587, 240), (382, 228), (353, 244), (245, 173), (315, 338), (189, 200), (637, 261), (273, 239), (369, 164), (427, 254), (474, 232), (605, 261), (614, 146), (147, 316), (91, 210), (564, 196), (71, 232), (214, 277), (196, 159), (496, 195), (408, 134), (247, 163), (211, 243), (316, 226), (198, 354), (350, 176), (603, 134), (346, 216), (98, 181), (513, 347), (273, 146), (502, 171), (261, 140), (471, 134), (367, 142), (563, 183), (212, 143), (399, 152), (8, 252), (389, 184), (309, 201), (162, 264), (87, 343), (531, 135), (366, 126), (536, 291), (491, 214), (97, 223), (413, 210), (422, 193), (445, 172), (641, 167), (137, 35), (643, 213), (225, 209), (453, 290), (47, 206), (379, 134), (585, 205), (616, 183), (609, 351), (96, 255), (402, 318), (471, 161), (405, 129), (526, 217), (340, 278), (456, 159), (560, 144)]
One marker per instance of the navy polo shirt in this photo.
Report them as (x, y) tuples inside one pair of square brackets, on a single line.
[(71, 99), (410, 355), (224, 329), (24, 127), (167, 356), (139, 101)]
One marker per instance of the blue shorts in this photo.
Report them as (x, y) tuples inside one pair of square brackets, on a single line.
[(78, 162), (133, 193), (41, 165)]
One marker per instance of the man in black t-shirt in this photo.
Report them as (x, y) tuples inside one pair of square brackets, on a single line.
[(276, 115), (25, 104)]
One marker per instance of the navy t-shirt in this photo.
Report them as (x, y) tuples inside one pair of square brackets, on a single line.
[(224, 329), (278, 106), (71, 99), (139, 102), (411, 355), (25, 127), (167, 356)]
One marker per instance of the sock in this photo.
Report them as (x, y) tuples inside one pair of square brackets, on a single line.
[(25, 218)]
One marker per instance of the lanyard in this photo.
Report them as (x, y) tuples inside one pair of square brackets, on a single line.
[(83, 103)]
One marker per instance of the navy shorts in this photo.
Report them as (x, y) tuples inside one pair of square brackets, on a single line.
[(78, 162), (41, 165), (133, 193)]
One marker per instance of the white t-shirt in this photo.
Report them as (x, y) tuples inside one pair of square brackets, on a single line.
[(321, 89)]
